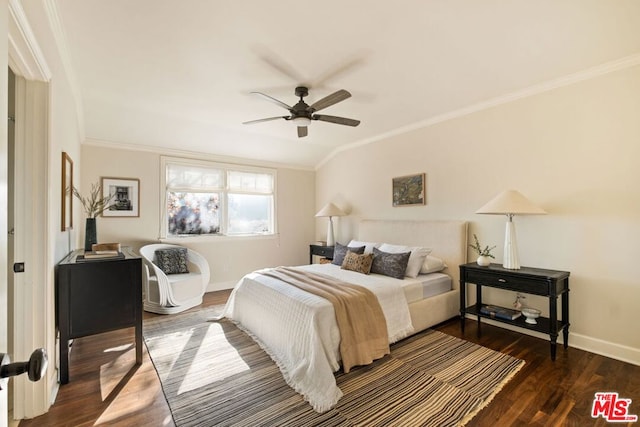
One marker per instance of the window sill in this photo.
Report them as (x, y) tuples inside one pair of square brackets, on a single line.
[(220, 238)]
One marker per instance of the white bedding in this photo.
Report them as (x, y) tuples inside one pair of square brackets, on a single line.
[(426, 286), (299, 331)]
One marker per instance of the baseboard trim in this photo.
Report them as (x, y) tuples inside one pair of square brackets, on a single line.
[(221, 286), (619, 352), (605, 348)]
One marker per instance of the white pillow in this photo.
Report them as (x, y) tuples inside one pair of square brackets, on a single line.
[(368, 246), (416, 259), (432, 265)]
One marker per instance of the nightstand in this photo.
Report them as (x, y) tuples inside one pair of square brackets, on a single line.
[(535, 281), (319, 250)]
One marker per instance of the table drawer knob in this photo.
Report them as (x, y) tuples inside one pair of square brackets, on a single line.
[(502, 280)]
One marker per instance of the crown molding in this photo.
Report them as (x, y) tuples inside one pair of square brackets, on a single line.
[(25, 56), (163, 151), (588, 74)]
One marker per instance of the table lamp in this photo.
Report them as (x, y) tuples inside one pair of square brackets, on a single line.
[(330, 210), (510, 203)]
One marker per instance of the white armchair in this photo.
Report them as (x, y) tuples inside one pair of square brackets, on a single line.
[(173, 293)]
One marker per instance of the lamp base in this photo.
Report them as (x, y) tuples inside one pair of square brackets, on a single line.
[(330, 239), (511, 260)]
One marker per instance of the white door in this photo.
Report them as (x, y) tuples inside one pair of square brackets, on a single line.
[(32, 302), (4, 315), (4, 114), (11, 242)]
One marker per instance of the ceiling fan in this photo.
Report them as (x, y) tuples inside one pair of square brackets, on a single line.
[(302, 114)]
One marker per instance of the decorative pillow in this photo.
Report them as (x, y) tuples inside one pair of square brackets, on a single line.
[(392, 265), (359, 263), (339, 252), (432, 265), (368, 246), (172, 260), (416, 259)]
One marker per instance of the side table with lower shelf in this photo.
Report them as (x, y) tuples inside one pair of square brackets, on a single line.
[(534, 281), (320, 250), (97, 296)]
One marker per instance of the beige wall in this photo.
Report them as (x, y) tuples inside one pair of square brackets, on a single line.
[(573, 150), (229, 258)]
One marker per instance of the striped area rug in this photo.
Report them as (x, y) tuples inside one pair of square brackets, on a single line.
[(213, 374)]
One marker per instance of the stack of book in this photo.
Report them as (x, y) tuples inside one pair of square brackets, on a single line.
[(101, 251), (500, 312)]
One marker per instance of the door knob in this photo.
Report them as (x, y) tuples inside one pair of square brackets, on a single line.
[(35, 367)]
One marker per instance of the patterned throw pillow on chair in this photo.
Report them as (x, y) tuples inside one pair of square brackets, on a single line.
[(172, 260)]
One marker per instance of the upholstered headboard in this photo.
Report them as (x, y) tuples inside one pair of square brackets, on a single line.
[(448, 239)]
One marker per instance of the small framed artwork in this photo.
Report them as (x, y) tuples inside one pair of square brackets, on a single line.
[(124, 197), (409, 190), (66, 199)]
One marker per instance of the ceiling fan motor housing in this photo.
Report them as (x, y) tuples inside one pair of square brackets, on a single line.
[(302, 91)]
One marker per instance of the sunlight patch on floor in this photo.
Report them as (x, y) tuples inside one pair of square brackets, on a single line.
[(113, 372), (122, 396), (205, 368), (123, 347), (130, 400)]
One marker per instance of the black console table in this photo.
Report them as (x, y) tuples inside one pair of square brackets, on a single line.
[(526, 280), (97, 296)]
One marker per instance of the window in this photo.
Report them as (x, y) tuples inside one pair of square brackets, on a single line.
[(205, 198)]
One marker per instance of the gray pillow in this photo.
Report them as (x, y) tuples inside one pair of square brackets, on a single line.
[(172, 260), (392, 265), (339, 252)]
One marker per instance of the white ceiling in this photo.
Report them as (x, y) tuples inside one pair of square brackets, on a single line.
[(177, 73)]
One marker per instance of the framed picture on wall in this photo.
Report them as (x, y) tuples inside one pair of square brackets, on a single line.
[(124, 194), (409, 190), (66, 200)]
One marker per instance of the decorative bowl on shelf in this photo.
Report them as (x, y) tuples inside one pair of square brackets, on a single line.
[(531, 314)]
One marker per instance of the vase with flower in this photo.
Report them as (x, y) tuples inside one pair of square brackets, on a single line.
[(484, 254), (93, 205)]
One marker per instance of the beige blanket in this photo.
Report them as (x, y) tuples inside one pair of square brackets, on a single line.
[(363, 330)]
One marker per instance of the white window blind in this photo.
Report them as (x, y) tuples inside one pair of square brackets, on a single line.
[(206, 198)]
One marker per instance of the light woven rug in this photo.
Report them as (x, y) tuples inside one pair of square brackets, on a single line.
[(213, 374)]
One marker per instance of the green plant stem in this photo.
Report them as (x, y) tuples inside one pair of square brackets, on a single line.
[(94, 204)]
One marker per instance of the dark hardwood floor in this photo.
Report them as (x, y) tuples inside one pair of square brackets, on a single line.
[(106, 388)]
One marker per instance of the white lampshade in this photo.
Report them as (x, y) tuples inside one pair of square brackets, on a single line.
[(330, 210), (510, 203)]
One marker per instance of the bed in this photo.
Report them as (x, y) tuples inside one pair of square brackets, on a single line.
[(299, 330)]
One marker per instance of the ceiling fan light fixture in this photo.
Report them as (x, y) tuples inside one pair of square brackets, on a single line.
[(301, 121)]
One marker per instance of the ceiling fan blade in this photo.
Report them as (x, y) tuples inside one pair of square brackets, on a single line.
[(272, 99), (329, 100), (250, 122), (302, 131), (338, 120), (331, 74), (277, 62)]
